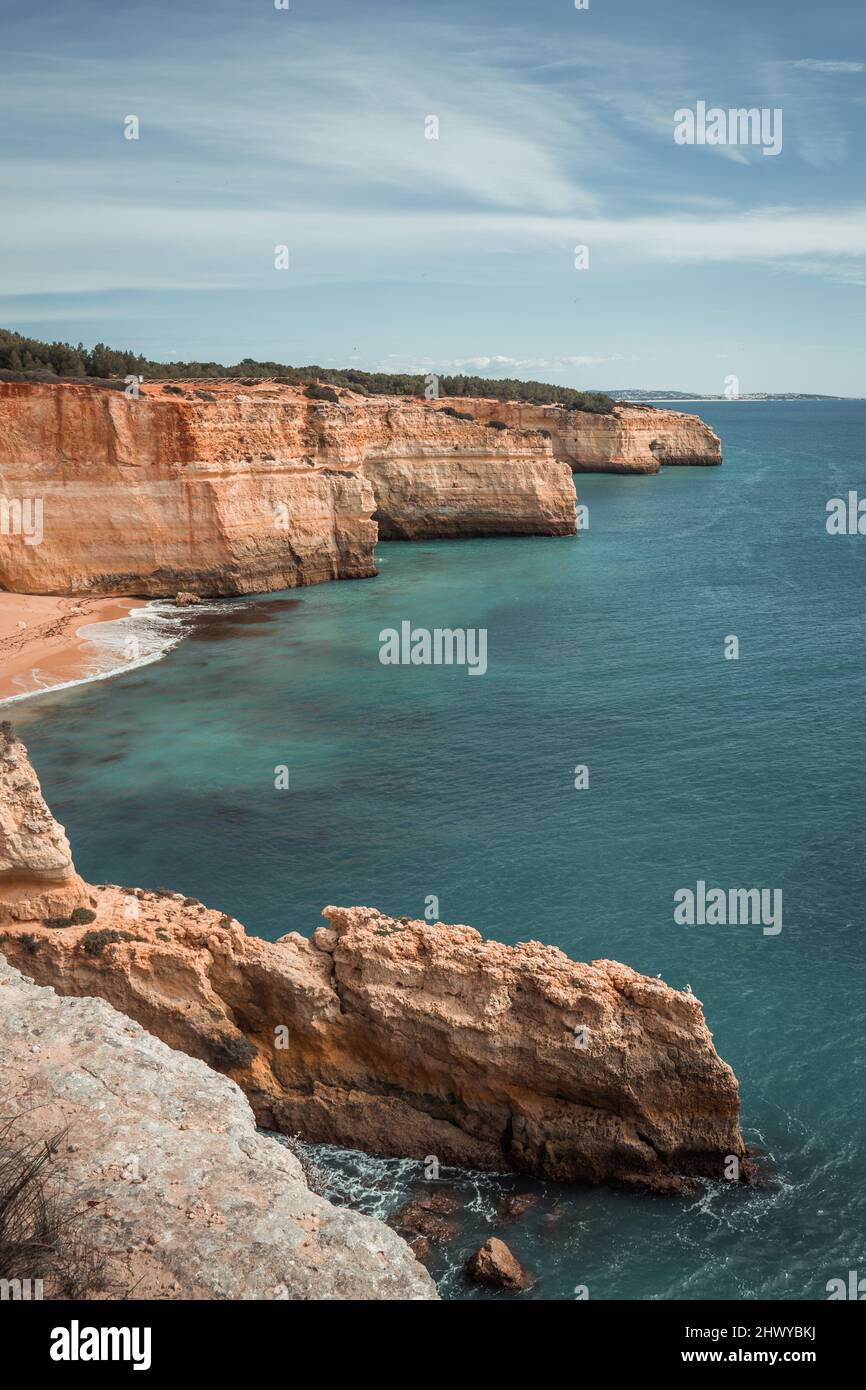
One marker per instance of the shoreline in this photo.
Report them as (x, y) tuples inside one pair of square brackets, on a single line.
[(43, 646)]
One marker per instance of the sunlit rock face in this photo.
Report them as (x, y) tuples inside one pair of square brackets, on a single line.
[(631, 439), (217, 488)]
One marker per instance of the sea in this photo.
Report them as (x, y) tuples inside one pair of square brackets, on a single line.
[(736, 764)]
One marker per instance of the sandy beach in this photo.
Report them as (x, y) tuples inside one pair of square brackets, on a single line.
[(40, 642)]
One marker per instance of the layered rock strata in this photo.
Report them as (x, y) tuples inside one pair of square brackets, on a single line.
[(631, 439), (222, 489), (415, 1039), (160, 1156)]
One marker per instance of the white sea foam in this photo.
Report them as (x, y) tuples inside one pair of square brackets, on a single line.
[(157, 629)]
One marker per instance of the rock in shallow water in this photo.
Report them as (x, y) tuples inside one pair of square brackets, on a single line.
[(495, 1266)]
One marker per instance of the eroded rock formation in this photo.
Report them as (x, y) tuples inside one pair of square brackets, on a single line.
[(160, 1156), (411, 1038), (37, 875), (632, 439)]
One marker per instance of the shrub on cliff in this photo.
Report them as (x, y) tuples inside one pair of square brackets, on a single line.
[(93, 943), (321, 393), (78, 917), (229, 1052), (497, 425), (28, 356)]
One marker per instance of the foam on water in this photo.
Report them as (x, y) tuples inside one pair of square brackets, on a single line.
[(142, 636)]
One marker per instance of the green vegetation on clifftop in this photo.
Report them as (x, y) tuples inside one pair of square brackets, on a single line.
[(30, 359)]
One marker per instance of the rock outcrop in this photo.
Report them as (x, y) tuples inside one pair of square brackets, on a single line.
[(180, 1195), (414, 1039), (631, 439), (37, 875), (437, 498), (241, 489), (495, 1266)]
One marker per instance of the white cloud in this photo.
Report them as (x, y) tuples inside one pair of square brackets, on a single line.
[(497, 362), (321, 146), (151, 246), (828, 65)]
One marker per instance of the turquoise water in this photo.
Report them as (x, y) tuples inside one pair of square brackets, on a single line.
[(605, 650)]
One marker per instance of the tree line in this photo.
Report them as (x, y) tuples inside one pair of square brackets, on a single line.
[(30, 358)]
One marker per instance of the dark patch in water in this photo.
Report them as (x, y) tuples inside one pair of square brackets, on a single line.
[(233, 622)]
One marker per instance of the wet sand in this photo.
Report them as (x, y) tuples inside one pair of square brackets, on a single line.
[(40, 646)]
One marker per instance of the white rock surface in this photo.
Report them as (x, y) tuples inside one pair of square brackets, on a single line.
[(186, 1199)]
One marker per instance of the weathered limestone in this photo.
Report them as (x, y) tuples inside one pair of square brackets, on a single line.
[(37, 875), (160, 1155), (237, 489)]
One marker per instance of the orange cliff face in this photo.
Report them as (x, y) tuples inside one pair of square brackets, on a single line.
[(221, 488), (631, 439), (154, 494)]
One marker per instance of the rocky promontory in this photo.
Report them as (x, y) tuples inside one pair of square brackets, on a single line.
[(628, 439), (410, 1038)]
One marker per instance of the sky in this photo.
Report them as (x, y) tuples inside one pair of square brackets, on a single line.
[(308, 128)]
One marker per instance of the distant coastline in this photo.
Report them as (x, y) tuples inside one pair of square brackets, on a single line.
[(638, 397)]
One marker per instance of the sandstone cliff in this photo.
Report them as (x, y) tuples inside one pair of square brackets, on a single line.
[(37, 876), (160, 1155), (632, 439), (411, 1038), (224, 489)]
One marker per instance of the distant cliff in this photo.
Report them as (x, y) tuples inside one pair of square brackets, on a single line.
[(628, 439), (224, 489)]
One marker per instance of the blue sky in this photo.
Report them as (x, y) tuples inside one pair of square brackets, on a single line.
[(305, 127)]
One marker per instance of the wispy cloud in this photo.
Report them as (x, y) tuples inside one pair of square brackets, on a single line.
[(828, 65), (497, 362)]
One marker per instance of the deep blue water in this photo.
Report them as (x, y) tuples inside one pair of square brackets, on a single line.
[(605, 650)]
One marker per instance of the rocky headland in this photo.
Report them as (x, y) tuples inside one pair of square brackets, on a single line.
[(397, 1037), (219, 488), (628, 439)]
